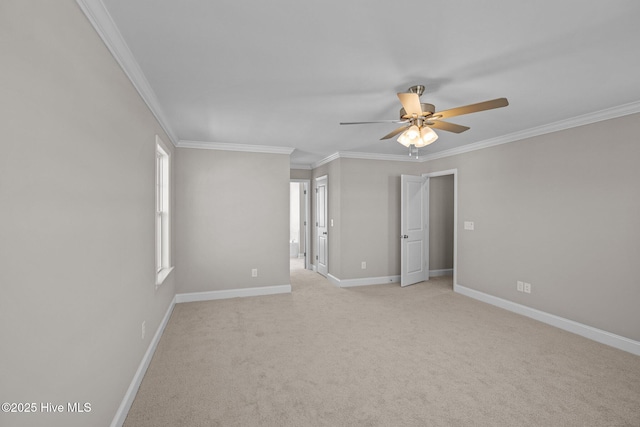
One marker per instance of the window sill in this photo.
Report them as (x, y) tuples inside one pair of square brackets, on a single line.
[(162, 274)]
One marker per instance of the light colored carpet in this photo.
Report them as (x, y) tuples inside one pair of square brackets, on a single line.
[(378, 356), (296, 263)]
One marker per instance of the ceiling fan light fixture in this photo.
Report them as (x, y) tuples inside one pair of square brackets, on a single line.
[(427, 136), (404, 139), (413, 132), (419, 143), (410, 136)]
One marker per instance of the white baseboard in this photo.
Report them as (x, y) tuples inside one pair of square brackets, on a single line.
[(232, 293), (314, 268), (589, 332), (365, 281), (130, 395), (443, 272), (333, 279)]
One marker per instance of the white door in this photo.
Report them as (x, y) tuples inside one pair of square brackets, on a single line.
[(414, 224), (322, 254)]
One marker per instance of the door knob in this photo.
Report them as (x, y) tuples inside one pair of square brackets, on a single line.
[(405, 237)]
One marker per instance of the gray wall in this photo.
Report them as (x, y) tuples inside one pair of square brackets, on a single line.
[(559, 211), (441, 222), (77, 276), (300, 173), (364, 202), (232, 215), (371, 216)]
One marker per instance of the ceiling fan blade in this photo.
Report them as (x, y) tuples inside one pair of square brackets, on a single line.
[(449, 127), (472, 108), (378, 121), (395, 132), (411, 104)]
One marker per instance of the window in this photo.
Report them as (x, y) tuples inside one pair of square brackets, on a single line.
[(163, 259)]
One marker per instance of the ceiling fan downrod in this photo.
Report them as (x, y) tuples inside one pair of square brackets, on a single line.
[(417, 89)]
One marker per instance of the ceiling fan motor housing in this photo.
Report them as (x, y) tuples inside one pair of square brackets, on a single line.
[(426, 108)]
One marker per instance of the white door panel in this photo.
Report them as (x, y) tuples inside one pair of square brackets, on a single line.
[(322, 231), (413, 210), (322, 251), (414, 257), (414, 230)]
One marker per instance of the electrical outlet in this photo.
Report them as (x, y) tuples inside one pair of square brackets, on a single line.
[(469, 225), (254, 272), (520, 286), (364, 265), (144, 328), (527, 288)]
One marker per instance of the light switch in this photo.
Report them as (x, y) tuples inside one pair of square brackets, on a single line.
[(332, 222)]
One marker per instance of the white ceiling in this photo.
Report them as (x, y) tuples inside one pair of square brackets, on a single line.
[(286, 72)]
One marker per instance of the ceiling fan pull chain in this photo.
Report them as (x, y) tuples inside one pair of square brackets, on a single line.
[(411, 147)]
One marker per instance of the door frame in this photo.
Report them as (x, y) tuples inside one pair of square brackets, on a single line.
[(307, 220), (453, 172)]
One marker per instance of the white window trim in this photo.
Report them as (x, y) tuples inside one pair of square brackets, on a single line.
[(163, 212)]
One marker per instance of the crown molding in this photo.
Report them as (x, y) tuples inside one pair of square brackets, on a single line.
[(326, 160), (376, 156), (582, 120), (299, 166), (106, 28), (205, 145), (363, 156)]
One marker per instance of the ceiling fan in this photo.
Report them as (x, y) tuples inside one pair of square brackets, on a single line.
[(418, 118)]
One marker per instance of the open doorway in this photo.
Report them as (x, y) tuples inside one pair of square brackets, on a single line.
[(443, 224), (299, 224)]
